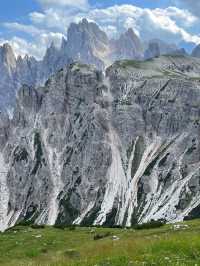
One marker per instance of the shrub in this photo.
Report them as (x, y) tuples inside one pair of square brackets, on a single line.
[(72, 227), (150, 225), (117, 226), (60, 226), (25, 223), (72, 253), (44, 250), (100, 236), (38, 226)]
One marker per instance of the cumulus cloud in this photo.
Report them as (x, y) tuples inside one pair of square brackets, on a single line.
[(181, 16), (166, 24), (58, 20), (22, 47), (37, 47), (30, 29), (192, 5), (39, 39), (170, 24), (63, 3)]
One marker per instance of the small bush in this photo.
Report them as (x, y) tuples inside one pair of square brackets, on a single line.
[(38, 226), (44, 250), (117, 226), (71, 253), (72, 227), (150, 225), (100, 236), (60, 226), (25, 223)]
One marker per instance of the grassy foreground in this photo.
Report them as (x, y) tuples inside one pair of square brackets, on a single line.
[(167, 245)]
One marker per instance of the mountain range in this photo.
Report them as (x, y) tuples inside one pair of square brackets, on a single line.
[(106, 149), (83, 143), (85, 43)]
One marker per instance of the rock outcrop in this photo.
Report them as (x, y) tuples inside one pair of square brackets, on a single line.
[(196, 51), (157, 47), (152, 51), (128, 46), (7, 69), (93, 149)]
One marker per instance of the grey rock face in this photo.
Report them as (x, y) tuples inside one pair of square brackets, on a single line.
[(128, 46), (86, 43), (152, 51), (180, 52), (158, 47), (18, 71), (7, 67), (165, 48), (90, 149), (196, 51)]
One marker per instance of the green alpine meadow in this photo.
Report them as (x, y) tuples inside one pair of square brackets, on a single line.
[(172, 244)]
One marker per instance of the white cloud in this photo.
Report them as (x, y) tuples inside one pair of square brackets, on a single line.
[(192, 5), (23, 47), (36, 48), (52, 19), (149, 23), (181, 16), (40, 39), (170, 24), (72, 3), (30, 29)]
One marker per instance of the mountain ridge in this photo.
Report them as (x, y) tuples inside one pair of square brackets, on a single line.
[(104, 150), (86, 43)]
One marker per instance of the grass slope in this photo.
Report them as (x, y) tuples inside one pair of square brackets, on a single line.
[(167, 245)]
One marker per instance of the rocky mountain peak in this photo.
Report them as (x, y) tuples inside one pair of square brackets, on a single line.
[(156, 47), (86, 42), (152, 51), (196, 51), (51, 51), (127, 46), (130, 32), (87, 32), (63, 43), (7, 56)]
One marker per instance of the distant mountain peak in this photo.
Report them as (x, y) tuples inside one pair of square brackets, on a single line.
[(84, 21), (7, 57), (196, 51), (87, 43), (131, 33)]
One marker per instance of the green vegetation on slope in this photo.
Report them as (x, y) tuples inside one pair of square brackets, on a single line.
[(50, 246), (130, 63)]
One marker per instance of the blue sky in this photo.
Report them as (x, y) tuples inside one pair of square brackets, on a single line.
[(21, 8), (31, 25)]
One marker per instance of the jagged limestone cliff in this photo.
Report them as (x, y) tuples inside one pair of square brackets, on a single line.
[(90, 148)]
